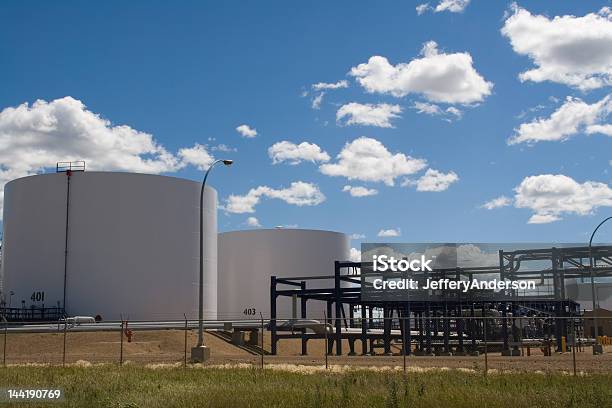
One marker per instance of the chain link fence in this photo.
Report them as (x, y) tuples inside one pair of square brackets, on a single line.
[(479, 344)]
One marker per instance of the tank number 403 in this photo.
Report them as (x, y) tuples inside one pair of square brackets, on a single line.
[(37, 297), (249, 311)]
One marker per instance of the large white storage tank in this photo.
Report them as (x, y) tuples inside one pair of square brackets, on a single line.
[(131, 248), (247, 260)]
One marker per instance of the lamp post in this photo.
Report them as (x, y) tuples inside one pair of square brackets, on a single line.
[(597, 348), (200, 352)]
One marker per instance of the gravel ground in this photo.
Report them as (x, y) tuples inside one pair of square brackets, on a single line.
[(149, 347)]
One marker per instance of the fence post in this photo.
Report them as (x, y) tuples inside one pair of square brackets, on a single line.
[(325, 329), (121, 349), (573, 326), (262, 340), (185, 353), (484, 331), (64, 351), (406, 346), (4, 348)]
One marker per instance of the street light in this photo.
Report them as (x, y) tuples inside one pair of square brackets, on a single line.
[(597, 348), (200, 353)]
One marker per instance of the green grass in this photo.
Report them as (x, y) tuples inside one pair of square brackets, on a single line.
[(137, 386)]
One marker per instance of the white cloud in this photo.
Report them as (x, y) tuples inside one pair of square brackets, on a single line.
[(286, 226), (533, 109), (197, 156), (299, 193), (368, 114), (359, 191), (320, 86), (454, 111), (422, 8), (253, 222), (384, 233), (454, 6), (567, 49), (498, 202), (435, 110), (246, 131), (35, 137), (439, 77), (367, 159), (543, 218), (470, 255), (434, 180), (223, 148), (317, 100), (355, 255), (294, 154), (385, 250), (357, 236), (603, 129), (550, 196), (571, 118), (427, 108)]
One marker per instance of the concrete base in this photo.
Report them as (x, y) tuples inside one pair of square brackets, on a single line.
[(597, 349), (238, 338), (459, 353), (443, 354), (423, 353), (200, 354), (254, 338), (511, 353), (474, 353)]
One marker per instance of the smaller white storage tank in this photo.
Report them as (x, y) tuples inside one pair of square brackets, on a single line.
[(247, 260), (582, 293)]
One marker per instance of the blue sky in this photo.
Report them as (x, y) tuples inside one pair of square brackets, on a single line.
[(194, 71)]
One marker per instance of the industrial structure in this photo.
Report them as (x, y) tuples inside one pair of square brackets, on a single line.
[(453, 325), (126, 246), (107, 244)]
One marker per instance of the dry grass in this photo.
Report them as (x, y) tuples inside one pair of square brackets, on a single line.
[(107, 385)]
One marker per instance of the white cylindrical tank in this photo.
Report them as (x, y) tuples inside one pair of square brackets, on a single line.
[(582, 293), (247, 260), (130, 246)]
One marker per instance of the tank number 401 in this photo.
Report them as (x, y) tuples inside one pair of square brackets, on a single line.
[(249, 311), (37, 297)]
